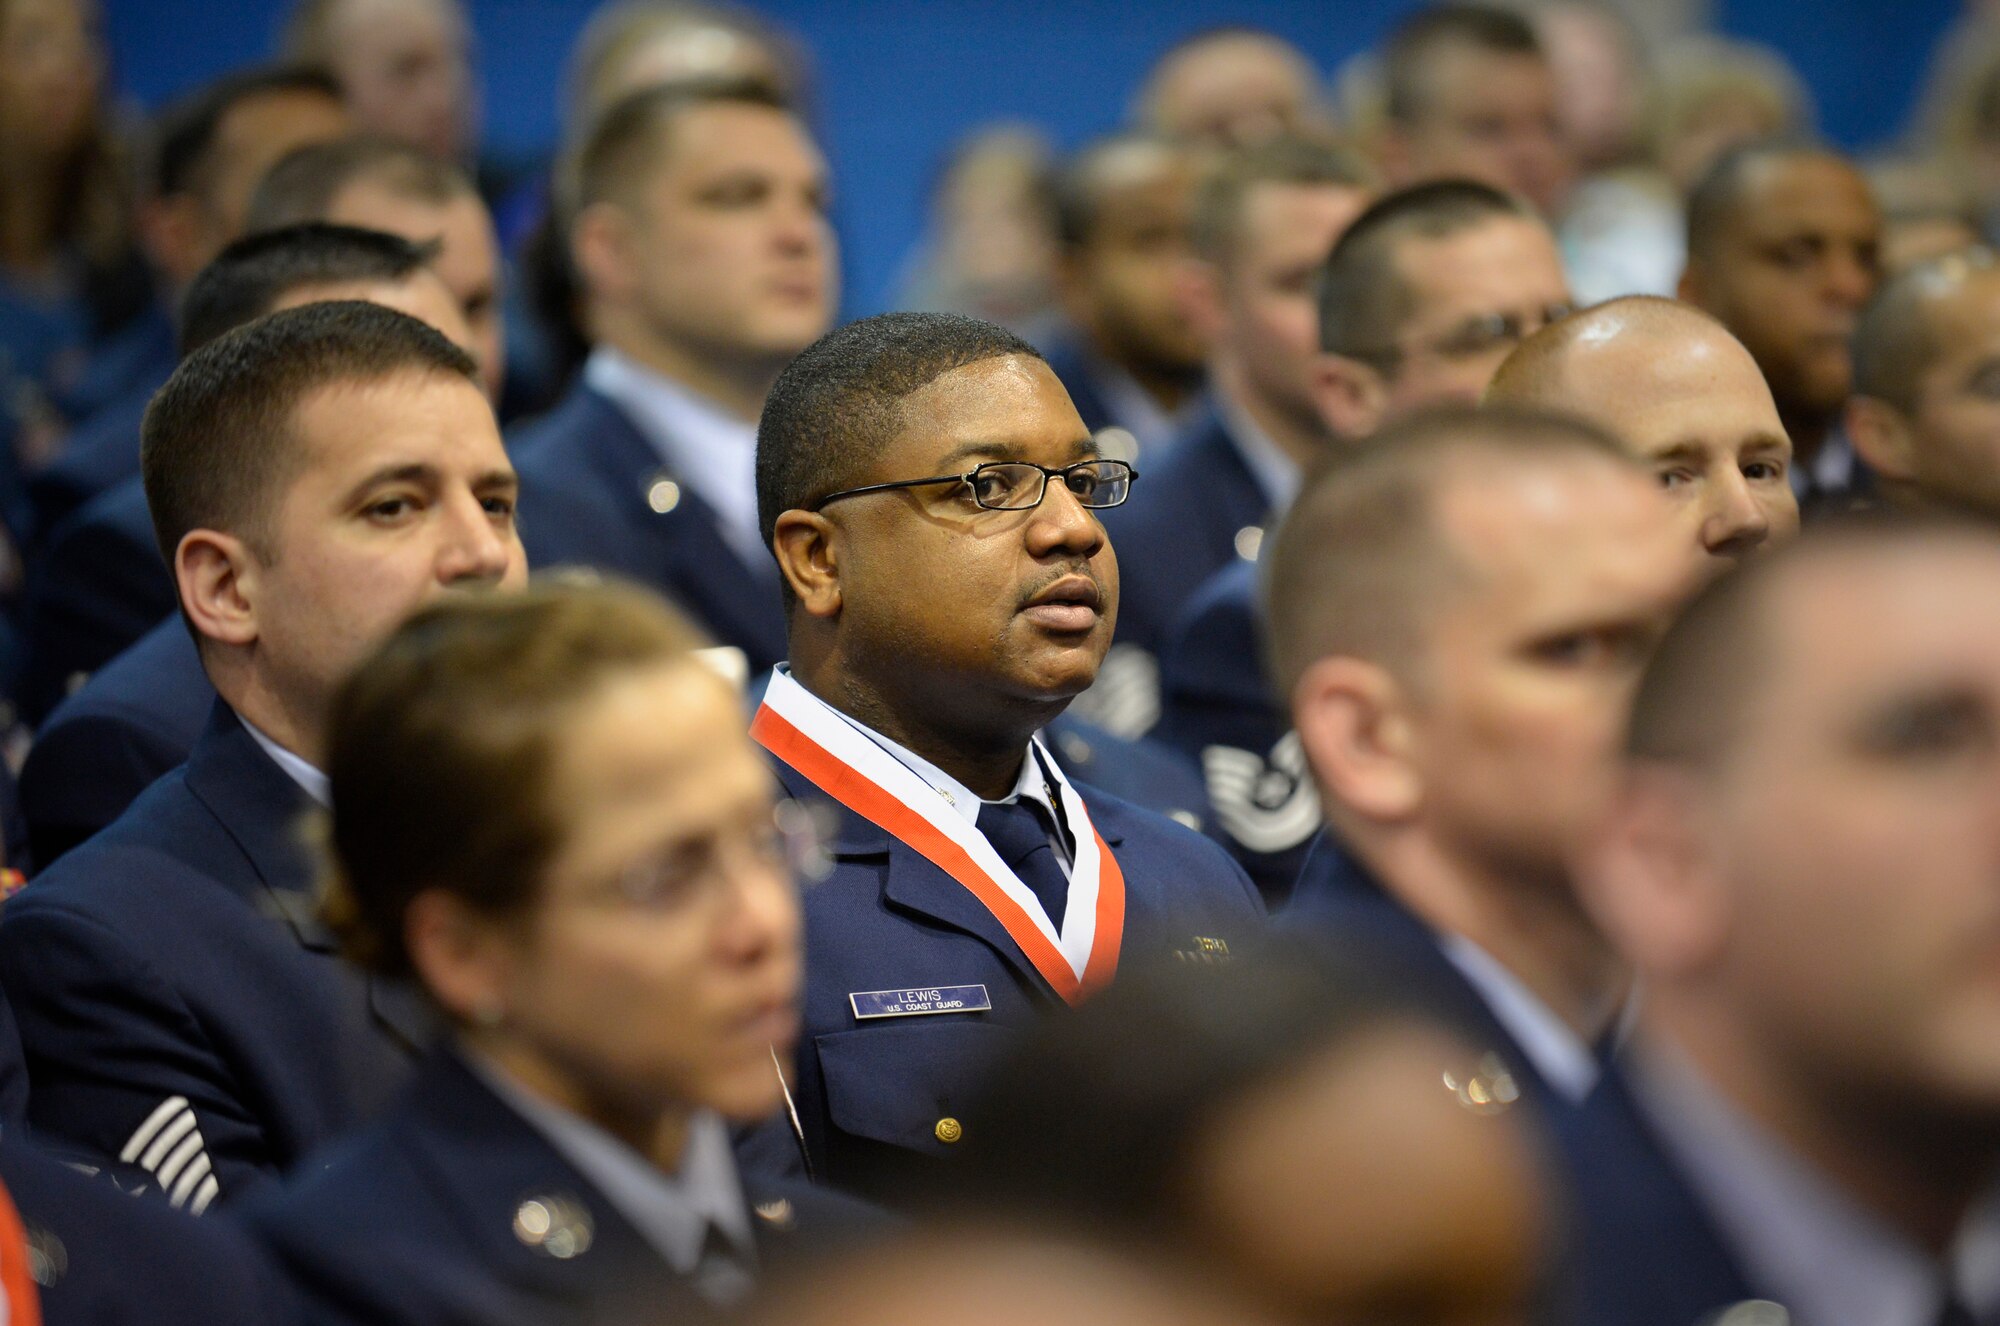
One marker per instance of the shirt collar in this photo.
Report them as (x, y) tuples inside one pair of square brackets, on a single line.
[(1551, 1045), (672, 1212), (1800, 1238), (1033, 783), (1277, 474), (1831, 470), (312, 780), (705, 446)]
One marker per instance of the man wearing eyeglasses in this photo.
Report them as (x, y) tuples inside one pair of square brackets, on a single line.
[(1419, 301), (931, 496)]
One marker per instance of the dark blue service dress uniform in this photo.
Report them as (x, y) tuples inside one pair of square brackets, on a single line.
[(882, 1102), (1218, 712), (131, 724), (451, 1209), (97, 586), (595, 494), (1338, 900), (102, 1256), (182, 1009), (1647, 1251)]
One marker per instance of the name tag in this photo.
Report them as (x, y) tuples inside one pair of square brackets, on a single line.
[(918, 1002)]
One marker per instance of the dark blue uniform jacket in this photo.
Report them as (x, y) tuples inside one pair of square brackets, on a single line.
[(181, 1006), (412, 1223), (590, 485), (871, 1096)]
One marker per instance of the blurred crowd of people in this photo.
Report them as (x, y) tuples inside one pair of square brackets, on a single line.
[(1373, 704)]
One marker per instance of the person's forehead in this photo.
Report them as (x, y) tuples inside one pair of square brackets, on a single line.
[(1237, 65), (1965, 321), (1811, 193), (277, 119), (1650, 382), (1860, 625), (1562, 530), (412, 415), (1496, 266), (1460, 74), (1286, 214), (732, 135), (1005, 399), (671, 721)]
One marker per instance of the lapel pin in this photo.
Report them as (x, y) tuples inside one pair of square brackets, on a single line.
[(777, 1213), (556, 1226), (663, 494)]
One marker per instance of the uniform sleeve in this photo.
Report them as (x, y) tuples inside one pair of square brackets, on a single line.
[(119, 1068)]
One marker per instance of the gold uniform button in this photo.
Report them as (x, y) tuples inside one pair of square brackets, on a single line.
[(948, 1130), (663, 496)]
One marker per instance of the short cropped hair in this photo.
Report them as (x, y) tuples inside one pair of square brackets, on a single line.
[(1363, 296), (1720, 192), (307, 180), (183, 141), (218, 446), (440, 747), (1714, 662), (1896, 340), (1218, 208), (838, 404), (624, 146), (617, 32), (1078, 185), (1415, 44), (1360, 559), (248, 278)]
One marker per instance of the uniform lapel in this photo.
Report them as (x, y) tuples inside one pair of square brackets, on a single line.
[(912, 884), (694, 562)]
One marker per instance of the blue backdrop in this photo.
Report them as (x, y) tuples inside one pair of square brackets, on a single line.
[(899, 80)]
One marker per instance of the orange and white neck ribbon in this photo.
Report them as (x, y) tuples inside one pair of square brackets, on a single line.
[(842, 762)]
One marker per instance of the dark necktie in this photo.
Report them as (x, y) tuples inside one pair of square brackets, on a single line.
[(1019, 831)]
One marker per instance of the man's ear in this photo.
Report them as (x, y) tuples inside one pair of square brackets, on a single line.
[(1649, 878), (457, 956), (1882, 437), (1353, 721), (602, 240), (1351, 395), (218, 579), (807, 545)]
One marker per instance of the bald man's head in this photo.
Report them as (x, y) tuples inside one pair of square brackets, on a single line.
[(1683, 395), (1926, 411)]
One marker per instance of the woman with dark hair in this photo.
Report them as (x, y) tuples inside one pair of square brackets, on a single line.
[(548, 814)]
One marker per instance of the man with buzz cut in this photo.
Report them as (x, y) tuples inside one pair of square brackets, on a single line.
[(107, 589), (314, 476), (697, 228), (932, 500), (1458, 615), (1419, 301)]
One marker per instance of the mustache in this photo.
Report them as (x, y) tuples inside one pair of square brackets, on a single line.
[(1074, 570)]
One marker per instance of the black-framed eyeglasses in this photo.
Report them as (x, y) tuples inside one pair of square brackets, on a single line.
[(1020, 485)]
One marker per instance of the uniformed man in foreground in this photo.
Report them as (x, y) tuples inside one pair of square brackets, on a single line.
[(314, 476), (1800, 864), (931, 497), (1458, 615)]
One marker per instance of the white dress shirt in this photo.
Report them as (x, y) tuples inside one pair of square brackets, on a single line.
[(1034, 782), (312, 780), (1276, 473), (704, 446)]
